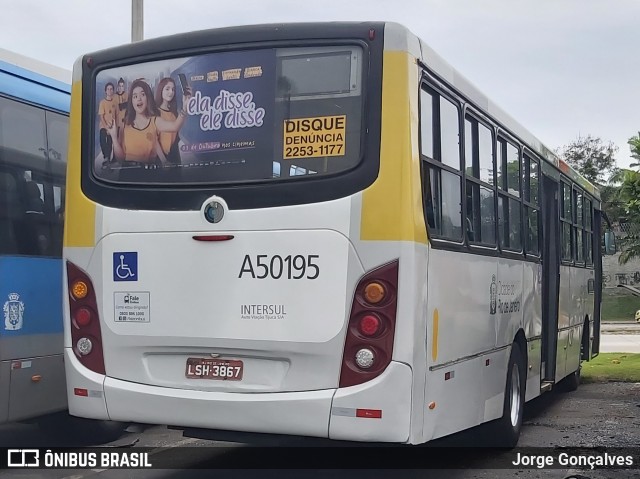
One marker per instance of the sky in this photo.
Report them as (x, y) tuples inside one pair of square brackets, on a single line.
[(562, 68)]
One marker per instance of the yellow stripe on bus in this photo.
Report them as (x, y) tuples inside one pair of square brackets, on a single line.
[(392, 206), (80, 212)]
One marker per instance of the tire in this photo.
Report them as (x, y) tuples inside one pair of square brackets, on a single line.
[(571, 382), (507, 428)]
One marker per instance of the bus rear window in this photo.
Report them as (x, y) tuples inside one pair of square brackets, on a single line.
[(231, 117)]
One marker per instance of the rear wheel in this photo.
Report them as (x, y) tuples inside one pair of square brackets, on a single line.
[(571, 382), (509, 425)]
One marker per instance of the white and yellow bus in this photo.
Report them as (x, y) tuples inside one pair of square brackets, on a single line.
[(317, 230)]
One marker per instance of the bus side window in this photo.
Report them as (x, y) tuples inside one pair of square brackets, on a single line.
[(35, 204), (36, 223), (428, 196), (9, 205), (441, 175)]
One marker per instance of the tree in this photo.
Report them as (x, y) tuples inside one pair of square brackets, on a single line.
[(592, 157), (630, 197), (634, 145)]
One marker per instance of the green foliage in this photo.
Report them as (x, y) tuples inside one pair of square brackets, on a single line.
[(634, 145), (612, 367), (629, 195), (611, 203), (619, 307), (592, 157)]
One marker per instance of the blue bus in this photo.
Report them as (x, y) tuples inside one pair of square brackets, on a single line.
[(34, 109)]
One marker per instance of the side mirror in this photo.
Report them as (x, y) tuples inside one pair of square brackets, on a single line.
[(610, 246)]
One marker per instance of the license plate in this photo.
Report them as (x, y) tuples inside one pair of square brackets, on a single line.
[(221, 369)]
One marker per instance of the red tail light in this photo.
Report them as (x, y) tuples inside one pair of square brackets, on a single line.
[(86, 337), (369, 344), (369, 325), (82, 317)]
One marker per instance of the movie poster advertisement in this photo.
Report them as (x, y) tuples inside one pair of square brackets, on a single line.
[(201, 119)]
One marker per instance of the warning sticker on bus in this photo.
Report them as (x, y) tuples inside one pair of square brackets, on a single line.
[(314, 137)]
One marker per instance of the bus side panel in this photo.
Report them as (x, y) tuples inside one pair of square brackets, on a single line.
[(511, 297), (461, 336), (582, 307), (31, 337), (532, 325), (30, 292), (534, 373), (452, 407), (5, 377), (460, 288), (567, 304), (37, 387)]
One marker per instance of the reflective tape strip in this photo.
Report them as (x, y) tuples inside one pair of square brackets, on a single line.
[(361, 413), (20, 364), (343, 411)]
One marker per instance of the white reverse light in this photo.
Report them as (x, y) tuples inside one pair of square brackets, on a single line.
[(364, 358), (84, 346)]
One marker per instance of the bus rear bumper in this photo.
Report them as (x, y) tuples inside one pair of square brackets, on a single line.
[(328, 413), (297, 413), (85, 390)]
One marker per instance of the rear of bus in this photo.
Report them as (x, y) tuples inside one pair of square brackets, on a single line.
[(239, 287)]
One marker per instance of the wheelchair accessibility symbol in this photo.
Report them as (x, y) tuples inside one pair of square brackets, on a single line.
[(125, 266)]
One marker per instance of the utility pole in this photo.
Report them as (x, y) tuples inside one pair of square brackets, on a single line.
[(137, 23)]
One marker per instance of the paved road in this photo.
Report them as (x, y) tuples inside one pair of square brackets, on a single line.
[(620, 343), (600, 415), (597, 415), (620, 338)]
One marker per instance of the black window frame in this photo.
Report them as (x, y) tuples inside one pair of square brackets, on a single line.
[(38, 222), (566, 222), (529, 204), (504, 139), (588, 231), (241, 196), (476, 183), (429, 165)]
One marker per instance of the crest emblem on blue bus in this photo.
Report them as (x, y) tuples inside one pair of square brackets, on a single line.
[(13, 310)]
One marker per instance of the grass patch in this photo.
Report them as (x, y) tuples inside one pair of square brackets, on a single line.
[(619, 307), (606, 367)]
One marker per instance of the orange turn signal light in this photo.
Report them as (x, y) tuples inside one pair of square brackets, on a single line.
[(79, 290), (374, 292)]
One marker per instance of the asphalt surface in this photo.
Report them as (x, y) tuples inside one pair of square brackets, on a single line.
[(604, 417), (620, 338)]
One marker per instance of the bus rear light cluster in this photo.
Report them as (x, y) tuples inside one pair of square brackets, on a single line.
[(82, 316), (374, 292), (370, 325), (369, 342), (84, 346), (85, 322), (365, 358)]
